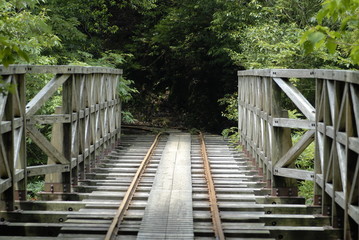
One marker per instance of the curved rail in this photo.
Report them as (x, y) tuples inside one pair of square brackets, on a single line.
[(113, 229), (216, 219)]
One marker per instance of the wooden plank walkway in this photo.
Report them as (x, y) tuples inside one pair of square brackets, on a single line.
[(168, 214), (171, 201)]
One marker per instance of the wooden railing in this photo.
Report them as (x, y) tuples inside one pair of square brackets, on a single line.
[(331, 121), (86, 125)]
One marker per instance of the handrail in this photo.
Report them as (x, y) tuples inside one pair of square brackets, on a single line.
[(331, 121), (87, 124)]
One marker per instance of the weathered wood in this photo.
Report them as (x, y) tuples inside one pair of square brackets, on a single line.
[(46, 146), (169, 212), (46, 169), (64, 69), (297, 98), (280, 138), (5, 184), (294, 173), (336, 125), (337, 75), (3, 98), (51, 119), (293, 123), (14, 121), (45, 93), (292, 154)]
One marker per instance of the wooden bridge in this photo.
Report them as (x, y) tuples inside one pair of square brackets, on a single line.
[(104, 184)]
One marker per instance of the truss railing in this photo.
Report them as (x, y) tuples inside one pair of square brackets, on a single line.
[(86, 125), (330, 120)]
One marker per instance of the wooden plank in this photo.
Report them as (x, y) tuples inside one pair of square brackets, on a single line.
[(56, 69), (297, 97), (281, 140), (131, 191), (18, 138), (296, 150), (338, 75), (5, 184), (45, 145), (51, 119), (5, 127), (5, 171), (294, 173), (293, 73), (168, 214), (355, 100), (45, 93), (46, 169), (3, 99), (353, 211), (293, 123)]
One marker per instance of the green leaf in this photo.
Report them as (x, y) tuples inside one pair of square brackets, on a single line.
[(345, 3), (321, 14), (344, 23), (308, 47), (354, 54), (331, 45), (315, 37), (23, 55)]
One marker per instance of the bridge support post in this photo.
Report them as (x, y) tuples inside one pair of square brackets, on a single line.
[(54, 181), (281, 143), (13, 145)]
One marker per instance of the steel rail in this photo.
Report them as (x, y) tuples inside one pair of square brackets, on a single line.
[(216, 219), (113, 229)]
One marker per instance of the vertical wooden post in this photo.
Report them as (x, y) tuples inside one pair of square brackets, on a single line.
[(20, 160), (8, 141), (75, 141), (281, 143), (67, 101), (53, 181), (82, 125), (337, 213)]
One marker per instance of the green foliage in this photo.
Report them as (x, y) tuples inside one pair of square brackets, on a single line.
[(231, 103), (125, 90), (270, 45), (35, 186), (304, 161), (127, 117), (23, 34), (6, 87), (306, 190), (337, 30)]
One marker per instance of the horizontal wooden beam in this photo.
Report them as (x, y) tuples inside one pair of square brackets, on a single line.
[(339, 75), (57, 69), (5, 184), (294, 173), (293, 123), (46, 169), (50, 119)]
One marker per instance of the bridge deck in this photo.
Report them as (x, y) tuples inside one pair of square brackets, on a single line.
[(169, 214), (171, 200)]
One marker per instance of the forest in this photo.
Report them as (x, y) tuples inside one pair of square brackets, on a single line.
[(180, 58)]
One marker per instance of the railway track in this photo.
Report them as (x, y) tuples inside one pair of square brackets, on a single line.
[(173, 186)]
